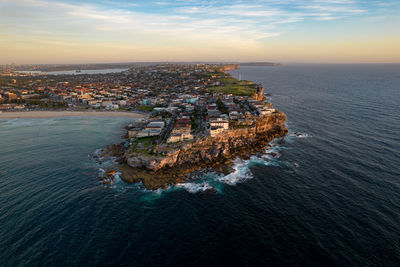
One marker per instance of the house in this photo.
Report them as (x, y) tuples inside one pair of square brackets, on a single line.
[(112, 107), (94, 103), (266, 111), (11, 96), (235, 115), (21, 106), (186, 136), (5, 107), (155, 125), (122, 103), (174, 138), (106, 103), (149, 132), (216, 130), (183, 136), (133, 132), (220, 122)]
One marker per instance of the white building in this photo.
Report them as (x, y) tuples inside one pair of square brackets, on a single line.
[(177, 137), (158, 124), (149, 132), (220, 122), (266, 111)]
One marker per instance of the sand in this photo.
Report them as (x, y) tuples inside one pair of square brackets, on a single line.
[(54, 114)]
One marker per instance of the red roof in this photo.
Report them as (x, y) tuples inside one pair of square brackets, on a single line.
[(183, 120)]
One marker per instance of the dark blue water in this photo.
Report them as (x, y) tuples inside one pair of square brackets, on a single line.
[(331, 198)]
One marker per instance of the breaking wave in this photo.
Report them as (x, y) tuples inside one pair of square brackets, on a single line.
[(195, 187), (299, 135), (241, 172)]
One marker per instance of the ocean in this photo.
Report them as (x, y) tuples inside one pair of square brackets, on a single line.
[(327, 194)]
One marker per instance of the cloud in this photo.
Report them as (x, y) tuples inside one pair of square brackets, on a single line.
[(131, 23), (187, 19), (335, 9), (224, 26)]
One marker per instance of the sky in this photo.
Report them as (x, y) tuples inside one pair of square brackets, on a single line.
[(291, 31)]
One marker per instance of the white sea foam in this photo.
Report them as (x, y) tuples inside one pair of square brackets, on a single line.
[(300, 135), (117, 178), (272, 152), (241, 172), (195, 187)]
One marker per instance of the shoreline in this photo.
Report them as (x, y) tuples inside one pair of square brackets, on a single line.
[(216, 153), (55, 114)]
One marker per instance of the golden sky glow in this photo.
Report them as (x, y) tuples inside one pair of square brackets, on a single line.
[(39, 31)]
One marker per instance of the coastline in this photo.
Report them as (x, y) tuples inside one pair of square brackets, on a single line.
[(177, 165), (159, 165), (55, 114)]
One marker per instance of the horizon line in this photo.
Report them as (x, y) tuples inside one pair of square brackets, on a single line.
[(206, 62)]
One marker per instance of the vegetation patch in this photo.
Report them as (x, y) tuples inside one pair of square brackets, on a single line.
[(221, 107), (195, 121), (145, 108), (233, 86)]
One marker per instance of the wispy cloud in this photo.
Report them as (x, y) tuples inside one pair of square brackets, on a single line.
[(219, 25), (252, 20)]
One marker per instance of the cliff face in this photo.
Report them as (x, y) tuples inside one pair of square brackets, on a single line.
[(259, 95), (213, 150), (230, 67)]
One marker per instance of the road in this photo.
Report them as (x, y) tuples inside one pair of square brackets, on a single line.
[(168, 129)]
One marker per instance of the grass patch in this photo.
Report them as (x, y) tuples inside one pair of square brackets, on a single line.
[(234, 87), (195, 121), (146, 144), (145, 108), (221, 107), (146, 141)]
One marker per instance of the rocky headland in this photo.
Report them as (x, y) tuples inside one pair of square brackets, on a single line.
[(204, 153)]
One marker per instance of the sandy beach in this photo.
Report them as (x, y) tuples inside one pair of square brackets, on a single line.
[(53, 114)]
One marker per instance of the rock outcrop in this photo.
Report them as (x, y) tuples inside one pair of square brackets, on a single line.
[(209, 151), (259, 94), (229, 67)]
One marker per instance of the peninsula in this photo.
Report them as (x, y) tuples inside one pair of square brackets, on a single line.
[(188, 118), (201, 128)]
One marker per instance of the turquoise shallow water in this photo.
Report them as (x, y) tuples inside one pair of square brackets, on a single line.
[(328, 197)]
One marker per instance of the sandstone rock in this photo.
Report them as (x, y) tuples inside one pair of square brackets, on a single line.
[(156, 172), (211, 150)]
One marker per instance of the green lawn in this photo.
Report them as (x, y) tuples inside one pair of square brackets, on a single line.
[(234, 87), (145, 108), (147, 143)]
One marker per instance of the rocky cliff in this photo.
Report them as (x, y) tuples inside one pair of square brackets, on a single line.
[(205, 152), (230, 67), (259, 94)]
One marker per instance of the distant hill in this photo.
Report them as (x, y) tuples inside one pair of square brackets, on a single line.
[(258, 64)]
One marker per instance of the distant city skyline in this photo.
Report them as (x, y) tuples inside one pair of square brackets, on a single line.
[(292, 31)]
